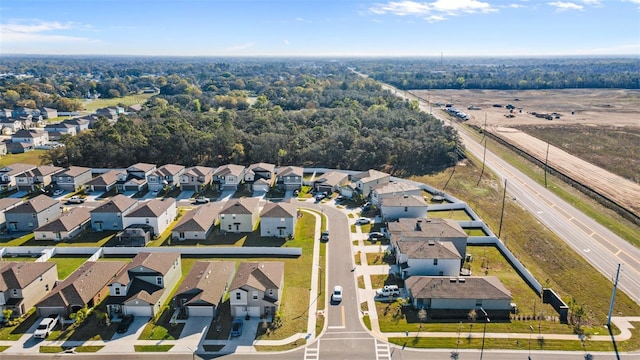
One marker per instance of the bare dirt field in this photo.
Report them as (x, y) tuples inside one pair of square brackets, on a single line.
[(616, 109)]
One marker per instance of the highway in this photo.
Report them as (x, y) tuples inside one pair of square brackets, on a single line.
[(603, 249)]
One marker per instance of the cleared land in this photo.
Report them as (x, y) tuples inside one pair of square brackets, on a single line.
[(614, 109)]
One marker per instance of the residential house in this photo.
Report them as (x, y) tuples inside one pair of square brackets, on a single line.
[(32, 214), (71, 223), (10, 126), (37, 178), (156, 213), (109, 113), (24, 284), (9, 173), (427, 258), (135, 177), (33, 137), (256, 289), (5, 113), (87, 286), (278, 219), (167, 175), (134, 235), (145, 284), (366, 180), (18, 147), (27, 121), (197, 224), (196, 178), (55, 131), (429, 229), (25, 111), (405, 206), (48, 113), (104, 182), (73, 178), (229, 177), (330, 182), (7, 204), (260, 171), (240, 215), (392, 189), (203, 289), (110, 215), (348, 190), (133, 108), (445, 297), (289, 178), (79, 123)]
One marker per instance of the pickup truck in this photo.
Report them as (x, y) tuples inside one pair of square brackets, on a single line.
[(46, 326), (75, 200)]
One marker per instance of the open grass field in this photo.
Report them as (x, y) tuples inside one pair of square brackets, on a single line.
[(548, 258), (91, 106), (31, 157), (67, 264)]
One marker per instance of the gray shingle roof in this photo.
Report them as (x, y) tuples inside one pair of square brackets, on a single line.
[(35, 205), (404, 200), (428, 249), (118, 203), (207, 281), (241, 206), (200, 219), (260, 276), (152, 208), (17, 275), (68, 220), (469, 287), (279, 210)]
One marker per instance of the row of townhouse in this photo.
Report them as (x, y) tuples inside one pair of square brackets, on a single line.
[(142, 286)]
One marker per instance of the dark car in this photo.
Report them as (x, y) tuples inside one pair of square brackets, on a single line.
[(325, 236), (236, 327), (125, 323), (376, 235)]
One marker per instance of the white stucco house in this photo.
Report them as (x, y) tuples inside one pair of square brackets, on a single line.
[(278, 219)]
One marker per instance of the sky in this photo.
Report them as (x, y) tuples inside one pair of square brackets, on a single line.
[(332, 28)]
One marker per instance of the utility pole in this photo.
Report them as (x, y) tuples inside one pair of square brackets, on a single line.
[(613, 298), (546, 166), (484, 332), (504, 196), (484, 155)]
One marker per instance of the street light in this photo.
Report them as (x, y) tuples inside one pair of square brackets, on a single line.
[(487, 320), (531, 332)]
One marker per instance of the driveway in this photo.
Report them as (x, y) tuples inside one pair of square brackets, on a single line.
[(185, 195), (194, 331), (226, 195), (244, 342), (128, 339), (18, 195)]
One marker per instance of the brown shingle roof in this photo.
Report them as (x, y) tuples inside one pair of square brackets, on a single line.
[(369, 175), (17, 275), (83, 284), (6, 203), (200, 219), (152, 208), (240, 206), (207, 281), (468, 287), (428, 249), (169, 170), (406, 200), (279, 210), (108, 178), (17, 168), (198, 171), (229, 169), (118, 203), (432, 227), (144, 167), (261, 276), (290, 170), (160, 262), (68, 220), (74, 171), (35, 205)]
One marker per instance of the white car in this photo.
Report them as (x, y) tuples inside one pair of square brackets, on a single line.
[(201, 200), (336, 296), (362, 221), (58, 192)]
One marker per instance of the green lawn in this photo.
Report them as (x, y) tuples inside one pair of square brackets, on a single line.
[(152, 348), (31, 157), (450, 214), (67, 264), (78, 349), (93, 105), (15, 332)]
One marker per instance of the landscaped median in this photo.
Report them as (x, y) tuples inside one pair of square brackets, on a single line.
[(53, 349), (152, 348)]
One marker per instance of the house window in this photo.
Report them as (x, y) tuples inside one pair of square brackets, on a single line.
[(238, 296), (117, 291), (435, 261), (15, 292), (181, 235), (479, 303), (406, 209), (159, 280), (33, 215), (46, 287), (147, 220), (255, 295), (229, 226)]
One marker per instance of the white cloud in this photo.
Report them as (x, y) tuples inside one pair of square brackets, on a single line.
[(286, 42), (438, 10), (564, 6), (241, 46), (39, 31)]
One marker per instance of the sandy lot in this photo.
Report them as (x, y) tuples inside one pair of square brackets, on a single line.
[(581, 106)]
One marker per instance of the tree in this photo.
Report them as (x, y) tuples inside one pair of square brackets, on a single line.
[(422, 316), (6, 314), (80, 316)]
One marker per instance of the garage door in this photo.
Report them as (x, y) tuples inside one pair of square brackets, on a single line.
[(254, 311), (200, 310), (138, 310), (241, 311)]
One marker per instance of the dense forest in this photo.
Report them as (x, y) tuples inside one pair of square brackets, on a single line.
[(306, 113), (506, 74)]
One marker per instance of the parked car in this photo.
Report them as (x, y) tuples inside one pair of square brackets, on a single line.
[(201, 200), (123, 327), (376, 235), (388, 290), (75, 200), (320, 196), (336, 296), (362, 221), (340, 198), (58, 192), (324, 236), (236, 327), (46, 326)]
